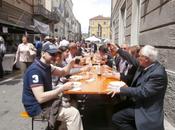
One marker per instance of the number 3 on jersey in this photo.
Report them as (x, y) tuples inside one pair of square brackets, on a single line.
[(35, 78)]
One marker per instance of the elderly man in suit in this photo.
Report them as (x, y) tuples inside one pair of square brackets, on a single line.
[(147, 92)]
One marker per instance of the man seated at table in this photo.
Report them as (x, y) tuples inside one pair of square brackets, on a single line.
[(131, 67), (60, 62), (72, 51), (38, 97), (147, 93)]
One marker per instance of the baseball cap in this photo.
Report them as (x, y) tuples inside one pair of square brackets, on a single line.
[(50, 48)]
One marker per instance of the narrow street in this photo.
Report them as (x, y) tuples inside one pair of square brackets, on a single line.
[(111, 59), (11, 107)]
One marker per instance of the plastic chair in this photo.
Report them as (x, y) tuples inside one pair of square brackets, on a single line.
[(25, 115)]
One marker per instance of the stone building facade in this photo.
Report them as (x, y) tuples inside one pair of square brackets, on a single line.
[(35, 17), (100, 27), (17, 19), (149, 22), (68, 26)]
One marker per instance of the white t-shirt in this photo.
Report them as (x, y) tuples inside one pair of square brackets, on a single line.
[(63, 43)]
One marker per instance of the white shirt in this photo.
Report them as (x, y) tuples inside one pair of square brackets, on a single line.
[(69, 58), (26, 52), (63, 43)]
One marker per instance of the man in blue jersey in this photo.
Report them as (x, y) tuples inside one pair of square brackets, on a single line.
[(38, 96)]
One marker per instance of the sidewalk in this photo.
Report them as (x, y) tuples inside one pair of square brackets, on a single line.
[(168, 126)]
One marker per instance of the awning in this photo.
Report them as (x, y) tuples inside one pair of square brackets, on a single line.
[(41, 27), (14, 28), (93, 39)]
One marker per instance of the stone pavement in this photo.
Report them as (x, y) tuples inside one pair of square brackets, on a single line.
[(168, 126)]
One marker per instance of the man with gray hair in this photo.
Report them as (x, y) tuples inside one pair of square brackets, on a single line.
[(146, 93)]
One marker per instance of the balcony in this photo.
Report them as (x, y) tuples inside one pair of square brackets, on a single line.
[(41, 13)]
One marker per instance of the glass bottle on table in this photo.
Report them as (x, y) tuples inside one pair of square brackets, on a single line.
[(113, 65), (99, 69), (90, 62)]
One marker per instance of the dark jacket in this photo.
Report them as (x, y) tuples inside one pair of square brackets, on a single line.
[(132, 69), (148, 90)]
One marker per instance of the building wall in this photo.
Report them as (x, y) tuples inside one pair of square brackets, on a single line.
[(48, 5), (105, 24), (68, 26), (16, 17), (156, 25), (23, 5), (17, 13)]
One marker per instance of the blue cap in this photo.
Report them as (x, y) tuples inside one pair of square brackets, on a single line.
[(50, 48)]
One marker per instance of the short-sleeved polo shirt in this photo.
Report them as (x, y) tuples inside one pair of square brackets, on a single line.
[(38, 74)]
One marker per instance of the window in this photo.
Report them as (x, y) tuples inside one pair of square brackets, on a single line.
[(0, 3), (122, 23), (104, 23), (136, 7)]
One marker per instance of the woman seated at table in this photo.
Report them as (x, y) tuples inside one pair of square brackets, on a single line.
[(106, 58)]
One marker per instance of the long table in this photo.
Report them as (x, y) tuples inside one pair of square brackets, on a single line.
[(92, 84)]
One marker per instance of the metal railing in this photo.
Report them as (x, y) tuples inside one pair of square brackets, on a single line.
[(41, 10)]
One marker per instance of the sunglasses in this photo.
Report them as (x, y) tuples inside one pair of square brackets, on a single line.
[(53, 54), (124, 48)]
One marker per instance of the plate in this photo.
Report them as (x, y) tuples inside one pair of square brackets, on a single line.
[(76, 84), (76, 77), (115, 84), (107, 75), (76, 89)]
